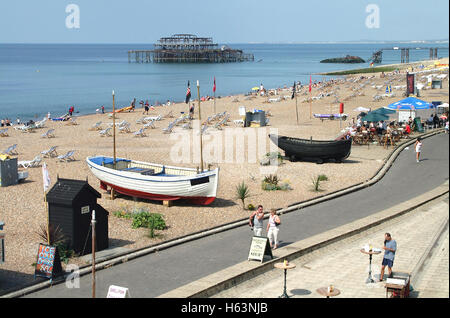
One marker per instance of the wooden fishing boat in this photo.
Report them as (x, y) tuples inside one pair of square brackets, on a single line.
[(154, 181), (297, 149)]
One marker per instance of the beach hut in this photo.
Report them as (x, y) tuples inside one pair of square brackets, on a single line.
[(411, 107), (70, 206)]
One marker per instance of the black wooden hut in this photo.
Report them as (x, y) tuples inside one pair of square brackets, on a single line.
[(70, 206)]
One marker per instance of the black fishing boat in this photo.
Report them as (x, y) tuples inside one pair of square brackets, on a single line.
[(318, 150)]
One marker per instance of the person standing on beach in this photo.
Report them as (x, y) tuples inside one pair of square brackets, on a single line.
[(256, 221), (273, 229), (418, 146), (390, 247), (103, 109)]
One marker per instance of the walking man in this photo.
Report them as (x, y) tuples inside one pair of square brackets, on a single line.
[(256, 221), (390, 247)]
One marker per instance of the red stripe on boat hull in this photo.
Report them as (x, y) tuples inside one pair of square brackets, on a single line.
[(157, 197)]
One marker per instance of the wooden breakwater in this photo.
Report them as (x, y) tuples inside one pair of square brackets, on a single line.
[(188, 48)]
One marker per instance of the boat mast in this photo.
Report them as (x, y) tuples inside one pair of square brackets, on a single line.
[(200, 119)]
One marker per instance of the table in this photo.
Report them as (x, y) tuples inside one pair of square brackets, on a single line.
[(370, 279), (285, 267), (324, 292)]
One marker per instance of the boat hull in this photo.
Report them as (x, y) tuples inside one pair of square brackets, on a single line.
[(297, 149), (198, 188)]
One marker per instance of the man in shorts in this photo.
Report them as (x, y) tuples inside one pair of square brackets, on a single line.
[(390, 247)]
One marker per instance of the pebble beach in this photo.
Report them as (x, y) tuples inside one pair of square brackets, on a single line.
[(23, 208)]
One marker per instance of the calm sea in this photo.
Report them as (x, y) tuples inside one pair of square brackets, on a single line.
[(37, 78)]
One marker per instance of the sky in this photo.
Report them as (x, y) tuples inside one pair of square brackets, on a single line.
[(226, 21)]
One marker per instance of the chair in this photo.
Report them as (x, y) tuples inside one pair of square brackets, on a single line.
[(239, 122), (139, 133), (11, 150), (72, 121), (125, 128), (169, 128), (168, 115), (105, 132), (67, 157), (96, 126), (4, 132), (186, 125), (150, 124), (50, 152), (41, 124), (49, 134), (30, 163)]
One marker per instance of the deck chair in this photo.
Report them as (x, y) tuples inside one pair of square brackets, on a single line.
[(41, 124), (105, 132), (168, 115), (68, 156), (150, 124), (139, 133), (169, 128), (125, 128), (4, 132), (140, 120), (72, 121), (96, 126), (186, 125), (50, 152), (11, 150), (204, 129), (30, 163), (49, 134)]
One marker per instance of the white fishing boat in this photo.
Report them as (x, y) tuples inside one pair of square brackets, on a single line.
[(154, 181)]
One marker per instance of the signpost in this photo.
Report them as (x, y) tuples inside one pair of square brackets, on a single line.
[(48, 264), (2, 248), (259, 248)]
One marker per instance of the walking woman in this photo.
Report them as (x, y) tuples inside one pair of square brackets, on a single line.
[(418, 148), (273, 228)]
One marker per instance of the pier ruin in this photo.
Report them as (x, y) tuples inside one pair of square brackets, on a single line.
[(188, 48)]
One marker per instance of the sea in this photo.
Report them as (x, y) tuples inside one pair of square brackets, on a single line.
[(39, 78)]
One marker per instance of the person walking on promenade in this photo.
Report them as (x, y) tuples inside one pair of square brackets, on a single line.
[(390, 247), (418, 146), (273, 228), (256, 221)]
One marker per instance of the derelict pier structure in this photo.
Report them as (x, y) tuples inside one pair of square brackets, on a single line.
[(188, 48)]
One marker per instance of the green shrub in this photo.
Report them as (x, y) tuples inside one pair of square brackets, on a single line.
[(322, 177), (251, 207), (148, 220)]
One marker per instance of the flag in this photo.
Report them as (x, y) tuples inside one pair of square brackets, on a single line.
[(45, 177), (188, 93), (293, 92), (214, 88), (310, 83)]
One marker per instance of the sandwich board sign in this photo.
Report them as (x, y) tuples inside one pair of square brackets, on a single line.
[(48, 263), (259, 248), (118, 292)]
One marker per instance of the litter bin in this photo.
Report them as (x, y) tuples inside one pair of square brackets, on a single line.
[(8, 172)]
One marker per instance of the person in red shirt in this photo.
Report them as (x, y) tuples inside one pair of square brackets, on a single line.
[(407, 130)]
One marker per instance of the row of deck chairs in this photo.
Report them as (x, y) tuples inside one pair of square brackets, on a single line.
[(184, 120)]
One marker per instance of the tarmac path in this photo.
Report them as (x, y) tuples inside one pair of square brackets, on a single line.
[(158, 273)]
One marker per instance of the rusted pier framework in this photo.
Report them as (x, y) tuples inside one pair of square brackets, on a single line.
[(377, 56), (188, 48)]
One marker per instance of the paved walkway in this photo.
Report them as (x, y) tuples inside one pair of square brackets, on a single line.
[(344, 266)]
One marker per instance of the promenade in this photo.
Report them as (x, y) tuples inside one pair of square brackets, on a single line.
[(343, 265)]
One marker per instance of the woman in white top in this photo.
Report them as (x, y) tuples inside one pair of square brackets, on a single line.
[(418, 148), (272, 229)]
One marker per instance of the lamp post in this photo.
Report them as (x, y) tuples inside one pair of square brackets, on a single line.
[(93, 221), (114, 140), (200, 119)]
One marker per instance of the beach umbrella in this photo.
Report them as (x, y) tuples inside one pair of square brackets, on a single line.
[(373, 117), (362, 114), (410, 103), (384, 111)]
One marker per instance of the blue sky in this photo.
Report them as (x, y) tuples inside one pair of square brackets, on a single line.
[(227, 21)]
